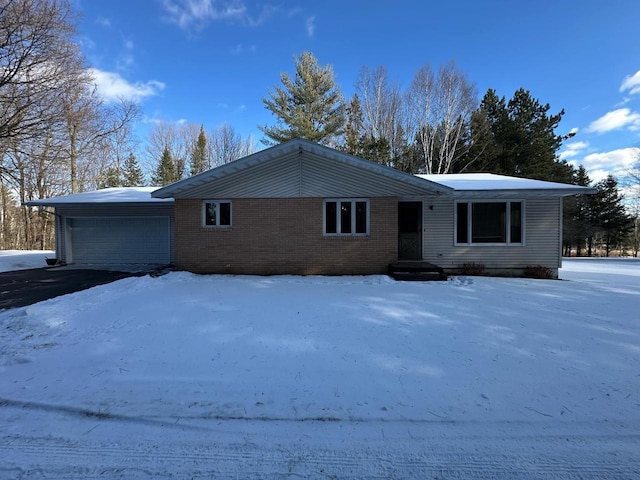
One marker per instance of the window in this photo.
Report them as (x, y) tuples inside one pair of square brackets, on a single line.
[(489, 223), (346, 217), (216, 213)]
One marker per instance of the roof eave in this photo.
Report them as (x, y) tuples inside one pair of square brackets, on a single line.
[(38, 203), (529, 192)]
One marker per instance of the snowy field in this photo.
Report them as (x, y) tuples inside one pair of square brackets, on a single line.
[(21, 260), (187, 376)]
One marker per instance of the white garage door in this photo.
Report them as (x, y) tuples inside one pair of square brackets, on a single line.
[(110, 240)]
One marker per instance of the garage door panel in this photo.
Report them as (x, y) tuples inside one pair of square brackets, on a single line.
[(120, 240)]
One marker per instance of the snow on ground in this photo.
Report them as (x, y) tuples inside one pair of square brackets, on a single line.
[(23, 259), (186, 376)]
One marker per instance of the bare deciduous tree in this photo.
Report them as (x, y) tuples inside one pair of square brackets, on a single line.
[(36, 48), (225, 145), (440, 110), (90, 124), (53, 124), (173, 137), (381, 106)]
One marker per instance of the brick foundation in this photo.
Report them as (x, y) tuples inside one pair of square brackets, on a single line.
[(283, 236)]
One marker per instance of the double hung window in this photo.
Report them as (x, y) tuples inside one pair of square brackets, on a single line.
[(346, 217)]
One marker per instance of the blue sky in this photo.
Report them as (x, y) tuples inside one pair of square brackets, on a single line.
[(212, 61)]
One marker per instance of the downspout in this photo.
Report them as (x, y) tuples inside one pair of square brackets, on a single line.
[(561, 233)]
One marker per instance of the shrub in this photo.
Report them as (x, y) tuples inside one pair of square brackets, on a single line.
[(537, 271), (472, 269)]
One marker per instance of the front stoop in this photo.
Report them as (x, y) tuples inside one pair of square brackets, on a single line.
[(416, 271)]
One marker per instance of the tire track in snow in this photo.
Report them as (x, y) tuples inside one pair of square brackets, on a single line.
[(49, 457)]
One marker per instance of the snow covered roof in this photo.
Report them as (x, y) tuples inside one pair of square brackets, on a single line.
[(104, 196), (462, 184), (489, 182)]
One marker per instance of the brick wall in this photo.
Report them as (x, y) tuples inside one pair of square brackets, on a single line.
[(283, 236)]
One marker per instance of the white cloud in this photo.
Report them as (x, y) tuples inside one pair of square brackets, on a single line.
[(197, 14), (103, 21), (615, 120), (631, 83), (572, 149), (126, 60), (623, 102), (163, 121), (617, 162), (310, 26), (240, 48), (112, 87), (574, 130)]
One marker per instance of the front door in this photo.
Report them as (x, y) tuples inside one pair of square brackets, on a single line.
[(409, 230)]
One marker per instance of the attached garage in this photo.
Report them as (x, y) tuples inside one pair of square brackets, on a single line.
[(113, 226), (118, 240)]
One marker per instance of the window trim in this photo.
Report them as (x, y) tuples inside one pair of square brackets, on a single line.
[(217, 202), (338, 232), (508, 203)]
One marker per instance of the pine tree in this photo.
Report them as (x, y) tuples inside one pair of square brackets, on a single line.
[(166, 171), (132, 173), (310, 106), (376, 150), (518, 138), (609, 215), (353, 130), (112, 178), (576, 219), (199, 154)]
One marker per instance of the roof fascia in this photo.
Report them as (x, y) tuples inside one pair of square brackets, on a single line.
[(531, 192), (44, 203)]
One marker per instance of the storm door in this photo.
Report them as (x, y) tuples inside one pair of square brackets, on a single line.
[(409, 230)]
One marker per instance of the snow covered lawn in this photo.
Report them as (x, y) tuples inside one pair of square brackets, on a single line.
[(23, 259), (313, 377)]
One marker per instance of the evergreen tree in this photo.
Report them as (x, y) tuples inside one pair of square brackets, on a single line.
[(310, 106), (112, 178), (518, 138), (375, 149), (609, 215), (166, 171), (132, 173), (353, 130), (577, 219), (199, 154)]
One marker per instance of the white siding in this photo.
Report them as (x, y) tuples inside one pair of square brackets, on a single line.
[(542, 237)]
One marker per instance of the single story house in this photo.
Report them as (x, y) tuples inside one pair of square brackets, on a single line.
[(303, 208)]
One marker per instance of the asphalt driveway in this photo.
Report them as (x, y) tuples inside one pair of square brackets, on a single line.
[(20, 288)]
